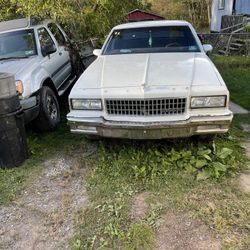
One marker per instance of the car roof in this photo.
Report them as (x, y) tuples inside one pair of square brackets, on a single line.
[(146, 24), (23, 23)]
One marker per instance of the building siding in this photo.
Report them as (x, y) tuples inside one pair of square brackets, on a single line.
[(217, 14), (242, 6)]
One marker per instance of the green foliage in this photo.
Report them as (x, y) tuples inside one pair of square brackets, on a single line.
[(169, 171), (151, 165), (12, 182), (83, 19), (92, 18), (198, 12), (103, 225), (8, 10), (246, 28), (140, 236)]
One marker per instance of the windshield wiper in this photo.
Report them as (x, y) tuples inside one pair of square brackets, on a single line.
[(13, 57)]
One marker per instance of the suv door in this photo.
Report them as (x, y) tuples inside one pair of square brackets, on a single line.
[(62, 46), (56, 64)]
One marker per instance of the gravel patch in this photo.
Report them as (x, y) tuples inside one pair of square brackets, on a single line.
[(42, 218), (182, 232)]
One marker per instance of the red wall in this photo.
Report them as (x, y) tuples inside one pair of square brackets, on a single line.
[(140, 16)]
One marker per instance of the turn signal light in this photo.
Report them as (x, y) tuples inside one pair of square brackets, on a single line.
[(19, 87)]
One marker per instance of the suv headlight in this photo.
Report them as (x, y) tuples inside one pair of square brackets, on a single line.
[(208, 102), (86, 104)]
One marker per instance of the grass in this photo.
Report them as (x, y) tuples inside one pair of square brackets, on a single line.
[(41, 147), (167, 171), (235, 71), (124, 169)]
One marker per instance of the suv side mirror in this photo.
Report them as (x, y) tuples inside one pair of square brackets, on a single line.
[(97, 52), (48, 49), (207, 47)]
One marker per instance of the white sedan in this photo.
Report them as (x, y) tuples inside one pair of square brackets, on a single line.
[(151, 80)]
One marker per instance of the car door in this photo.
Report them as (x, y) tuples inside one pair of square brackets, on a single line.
[(54, 63), (62, 47)]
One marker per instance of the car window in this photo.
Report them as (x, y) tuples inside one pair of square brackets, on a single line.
[(45, 38), (17, 44), (152, 40), (57, 34)]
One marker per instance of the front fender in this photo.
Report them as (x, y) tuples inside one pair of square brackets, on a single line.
[(37, 79)]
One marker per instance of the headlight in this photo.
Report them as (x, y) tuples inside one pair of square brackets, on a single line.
[(19, 87), (86, 104), (208, 102)]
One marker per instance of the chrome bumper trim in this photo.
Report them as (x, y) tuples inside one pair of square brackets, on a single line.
[(152, 130)]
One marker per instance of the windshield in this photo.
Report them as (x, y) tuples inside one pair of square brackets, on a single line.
[(17, 44), (152, 40)]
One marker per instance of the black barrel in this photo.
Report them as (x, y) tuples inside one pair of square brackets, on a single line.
[(13, 146)]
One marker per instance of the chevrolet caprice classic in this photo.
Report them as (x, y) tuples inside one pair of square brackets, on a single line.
[(151, 80)]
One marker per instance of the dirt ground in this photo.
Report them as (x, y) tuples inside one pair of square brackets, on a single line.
[(244, 179), (139, 207), (182, 232), (177, 231), (42, 218)]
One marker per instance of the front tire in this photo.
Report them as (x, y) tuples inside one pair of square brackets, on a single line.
[(49, 113)]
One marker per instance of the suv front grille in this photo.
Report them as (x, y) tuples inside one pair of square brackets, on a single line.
[(146, 107)]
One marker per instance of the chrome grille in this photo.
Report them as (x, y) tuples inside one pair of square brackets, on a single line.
[(146, 107)]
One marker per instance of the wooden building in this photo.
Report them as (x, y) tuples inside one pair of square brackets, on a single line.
[(141, 15)]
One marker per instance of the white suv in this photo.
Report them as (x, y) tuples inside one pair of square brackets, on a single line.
[(44, 62), (151, 80)]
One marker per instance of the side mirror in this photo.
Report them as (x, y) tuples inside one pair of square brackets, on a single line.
[(48, 49), (207, 47), (97, 52)]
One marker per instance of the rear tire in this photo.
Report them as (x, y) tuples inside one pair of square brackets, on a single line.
[(49, 113)]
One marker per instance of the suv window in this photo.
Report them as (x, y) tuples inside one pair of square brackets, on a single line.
[(45, 38), (57, 33)]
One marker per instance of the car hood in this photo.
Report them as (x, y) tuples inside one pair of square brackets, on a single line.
[(165, 69), (15, 66)]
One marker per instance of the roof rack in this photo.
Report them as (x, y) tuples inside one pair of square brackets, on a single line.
[(20, 23)]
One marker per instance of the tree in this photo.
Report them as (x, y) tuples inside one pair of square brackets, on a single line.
[(195, 11), (83, 18)]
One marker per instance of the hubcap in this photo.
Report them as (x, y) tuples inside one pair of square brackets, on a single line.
[(51, 107)]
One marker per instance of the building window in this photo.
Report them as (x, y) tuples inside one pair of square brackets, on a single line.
[(221, 4)]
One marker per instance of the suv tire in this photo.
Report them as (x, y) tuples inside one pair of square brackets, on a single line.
[(49, 113)]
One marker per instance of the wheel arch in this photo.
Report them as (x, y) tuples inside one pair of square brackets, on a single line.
[(49, 83)]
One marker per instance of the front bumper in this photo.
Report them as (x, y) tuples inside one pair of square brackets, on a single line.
[(31, 108), (199, 125)]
